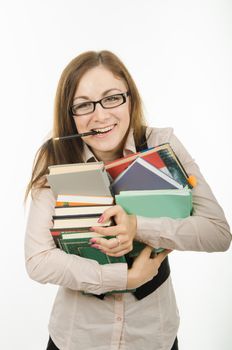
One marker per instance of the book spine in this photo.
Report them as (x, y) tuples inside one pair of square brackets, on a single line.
[(78, 216), (173, 167), (80, 204), (79, 223), (73, 204), (59, 231)]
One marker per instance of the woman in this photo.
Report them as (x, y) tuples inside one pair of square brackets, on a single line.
[(96, 92)]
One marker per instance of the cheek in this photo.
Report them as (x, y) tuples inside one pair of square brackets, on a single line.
[(80, 125), (124, 115), (126, 120)]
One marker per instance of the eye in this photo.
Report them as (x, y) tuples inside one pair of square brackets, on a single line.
[(85, 105), (112, 100), (82, 107)]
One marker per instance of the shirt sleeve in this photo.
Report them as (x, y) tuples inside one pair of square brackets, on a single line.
[(207, 228), (47, 264)]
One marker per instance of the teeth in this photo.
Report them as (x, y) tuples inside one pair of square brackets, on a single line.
[(104, 129)]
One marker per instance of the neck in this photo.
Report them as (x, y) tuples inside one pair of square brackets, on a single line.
[(107, 157)]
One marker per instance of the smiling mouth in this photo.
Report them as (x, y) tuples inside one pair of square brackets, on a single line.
[(104, 130)]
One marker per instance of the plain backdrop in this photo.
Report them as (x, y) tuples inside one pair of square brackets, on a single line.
[(180, 54)]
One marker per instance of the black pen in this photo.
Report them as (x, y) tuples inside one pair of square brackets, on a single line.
[(93, 132)]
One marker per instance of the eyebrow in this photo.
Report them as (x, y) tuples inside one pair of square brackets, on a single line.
[(103, 94)]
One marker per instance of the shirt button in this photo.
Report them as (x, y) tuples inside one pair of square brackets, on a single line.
[(119, 318)]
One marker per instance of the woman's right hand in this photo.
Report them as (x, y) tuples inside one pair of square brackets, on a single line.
[(145, 267)]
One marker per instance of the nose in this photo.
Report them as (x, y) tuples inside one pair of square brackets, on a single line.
[(100, 113)]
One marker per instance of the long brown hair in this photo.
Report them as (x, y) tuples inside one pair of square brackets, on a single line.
[(61, 152)]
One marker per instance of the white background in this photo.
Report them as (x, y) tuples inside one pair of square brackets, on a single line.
[(180, 54)]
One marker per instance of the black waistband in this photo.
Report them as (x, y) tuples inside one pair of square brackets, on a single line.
[(151, 286)]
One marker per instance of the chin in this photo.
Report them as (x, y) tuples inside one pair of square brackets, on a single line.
[(109, 148)]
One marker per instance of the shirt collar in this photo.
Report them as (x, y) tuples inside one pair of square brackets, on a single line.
[(129, 144), (88, 155), (129, 148)]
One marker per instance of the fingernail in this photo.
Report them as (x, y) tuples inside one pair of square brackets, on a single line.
[(101, 219), (92, 240), (95, 246)]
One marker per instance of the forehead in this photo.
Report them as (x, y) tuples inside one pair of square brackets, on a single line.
[(98, 80)]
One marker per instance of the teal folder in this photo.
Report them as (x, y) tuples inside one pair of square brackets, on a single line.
[(173, 203)]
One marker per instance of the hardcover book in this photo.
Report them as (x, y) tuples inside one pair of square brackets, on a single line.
[(80, 210), (77, 242), (172, 203), (82, 201), (150, 155), (174, 165), (79, 222), (141, 175), (74, 167), (81, 178)]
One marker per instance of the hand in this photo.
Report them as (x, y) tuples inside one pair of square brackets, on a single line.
[(144, 267), (124, 230)]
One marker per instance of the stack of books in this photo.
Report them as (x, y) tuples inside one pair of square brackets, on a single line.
[(162, 157), (152, 183), (82, 195)]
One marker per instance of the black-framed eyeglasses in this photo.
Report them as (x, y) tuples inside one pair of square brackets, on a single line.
[(107, 102)]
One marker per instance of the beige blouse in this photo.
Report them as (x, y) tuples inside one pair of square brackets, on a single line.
[(120, 321)]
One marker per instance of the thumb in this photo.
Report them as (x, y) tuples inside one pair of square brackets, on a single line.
[(162, 255), (146, 252)]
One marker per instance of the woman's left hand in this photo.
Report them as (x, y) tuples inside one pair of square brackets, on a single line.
[(124, 231)]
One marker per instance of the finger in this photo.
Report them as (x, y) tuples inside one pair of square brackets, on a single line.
[(108, 213), (145, 253), (162, 255), (126, 247), (165, 252), (114, 244), (109, 230), (102, 243)]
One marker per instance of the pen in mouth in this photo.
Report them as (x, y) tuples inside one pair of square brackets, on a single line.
[(92, 132)]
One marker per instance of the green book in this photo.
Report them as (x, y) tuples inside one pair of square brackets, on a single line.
[(173, 203), (71, 244), (78, 243)]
